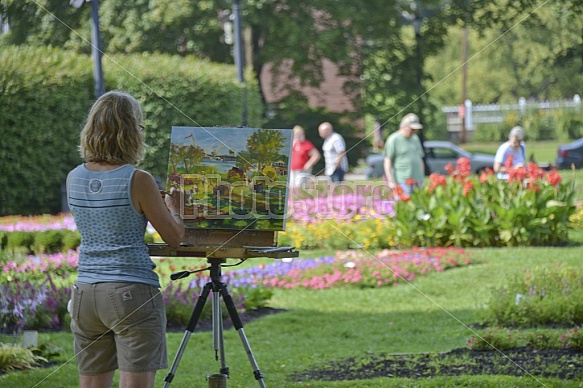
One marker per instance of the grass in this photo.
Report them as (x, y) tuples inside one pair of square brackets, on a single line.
[(435, 313)]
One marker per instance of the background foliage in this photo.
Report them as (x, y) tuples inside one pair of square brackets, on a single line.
[(524, 48), (43, 108)]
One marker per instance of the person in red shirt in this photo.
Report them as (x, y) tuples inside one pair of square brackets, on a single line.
[(304, 156)]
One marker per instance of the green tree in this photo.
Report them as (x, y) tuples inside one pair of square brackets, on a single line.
[(42, 22), (534, 59), (370, 40)]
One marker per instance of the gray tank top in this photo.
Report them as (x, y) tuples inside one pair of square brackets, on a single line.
[(112, 231)]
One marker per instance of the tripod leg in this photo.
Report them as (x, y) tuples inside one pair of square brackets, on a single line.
[(218, 339), (239, 327), (189, 329)]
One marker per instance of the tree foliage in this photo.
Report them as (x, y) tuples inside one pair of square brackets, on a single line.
[(372, 41), (539, 57)]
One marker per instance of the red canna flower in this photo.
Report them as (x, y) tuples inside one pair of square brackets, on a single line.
[(554, 178), (435, 180), (405, 197), (509, 161), (532, 185), (534, 171), (410, 182), (463, 167), (468, 185), (516, 174), (398, 191), (449, 168)]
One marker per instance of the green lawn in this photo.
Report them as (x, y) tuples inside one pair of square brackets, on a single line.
[(435, 313)]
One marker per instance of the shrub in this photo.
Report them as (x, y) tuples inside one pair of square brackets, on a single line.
[(540, 296), (71, 240), (543, 339), (494, 338), (574, 338), (497, 338), (20, 242), (48, 242), (3, 240), (16, 357)]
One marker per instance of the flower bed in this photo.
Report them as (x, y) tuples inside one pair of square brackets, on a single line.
[(532, 208), (34, 294), (42, 223), (351, 269)]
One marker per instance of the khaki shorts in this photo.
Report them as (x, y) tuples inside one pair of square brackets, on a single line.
[(118, 326)]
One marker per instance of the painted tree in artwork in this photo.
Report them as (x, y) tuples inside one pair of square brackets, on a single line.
[(189, 154), (264, 147), (173, 162)]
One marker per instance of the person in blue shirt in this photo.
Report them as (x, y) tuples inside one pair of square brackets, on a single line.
[(514, 149), (118, 315)]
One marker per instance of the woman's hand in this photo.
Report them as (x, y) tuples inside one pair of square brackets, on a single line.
[(172, 200)]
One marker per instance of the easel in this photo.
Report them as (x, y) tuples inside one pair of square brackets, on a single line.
[(218, 246)]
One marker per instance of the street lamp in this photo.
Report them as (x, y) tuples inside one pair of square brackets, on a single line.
[(239, 56), (95, 44)]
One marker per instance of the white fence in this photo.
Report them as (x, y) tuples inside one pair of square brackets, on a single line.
[(495, 113)]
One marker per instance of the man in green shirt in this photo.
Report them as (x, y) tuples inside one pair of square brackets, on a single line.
[(404, 155)]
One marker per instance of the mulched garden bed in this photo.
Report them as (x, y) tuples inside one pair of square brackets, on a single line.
[(564, 364)]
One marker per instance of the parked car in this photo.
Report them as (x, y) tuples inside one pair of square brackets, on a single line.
[(571, 153), (438, 154)]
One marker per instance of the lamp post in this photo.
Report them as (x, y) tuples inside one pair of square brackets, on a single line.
[(239, 56), (96, 52)]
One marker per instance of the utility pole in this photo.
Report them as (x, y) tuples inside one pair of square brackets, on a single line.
[(463, 136)]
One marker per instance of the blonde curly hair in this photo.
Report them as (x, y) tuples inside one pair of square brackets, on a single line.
[(113, 132)]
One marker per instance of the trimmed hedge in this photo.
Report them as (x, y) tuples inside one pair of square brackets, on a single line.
[(46, 93), (45, 242)]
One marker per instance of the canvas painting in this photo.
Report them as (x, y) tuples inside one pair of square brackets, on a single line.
[(231, 178)]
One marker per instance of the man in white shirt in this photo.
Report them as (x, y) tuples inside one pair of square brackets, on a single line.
[(334, 150)]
